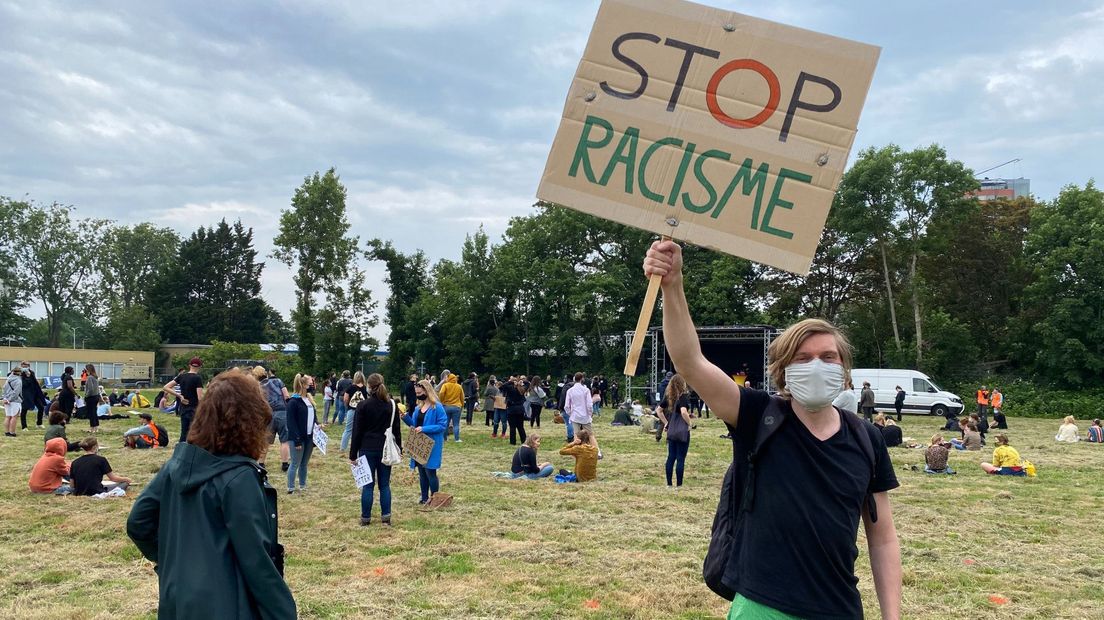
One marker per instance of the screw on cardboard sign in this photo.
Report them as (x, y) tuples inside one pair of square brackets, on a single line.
[(710, 127)]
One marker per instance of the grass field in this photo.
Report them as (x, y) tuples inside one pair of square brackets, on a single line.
[(625, 546)]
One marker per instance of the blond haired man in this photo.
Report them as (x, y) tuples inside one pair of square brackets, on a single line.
[(815, 478)]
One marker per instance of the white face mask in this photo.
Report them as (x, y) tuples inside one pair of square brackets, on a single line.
[(814, 384)]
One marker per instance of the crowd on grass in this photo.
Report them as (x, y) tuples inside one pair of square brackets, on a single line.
[(215, 482)]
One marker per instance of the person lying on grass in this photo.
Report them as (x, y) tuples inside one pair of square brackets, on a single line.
[(586, 455), (935, 457), (525, 460), (88, 471), (1006, 460)]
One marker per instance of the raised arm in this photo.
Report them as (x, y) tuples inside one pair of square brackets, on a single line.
[(711, 383)]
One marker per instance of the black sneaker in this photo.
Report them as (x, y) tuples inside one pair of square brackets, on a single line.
[(285, 466), (365, 522)]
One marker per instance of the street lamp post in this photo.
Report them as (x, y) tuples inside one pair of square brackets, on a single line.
[(74, 337)]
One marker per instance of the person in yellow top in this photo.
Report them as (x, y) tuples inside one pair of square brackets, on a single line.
[(452, 397), (1006, 460), (586, 456)]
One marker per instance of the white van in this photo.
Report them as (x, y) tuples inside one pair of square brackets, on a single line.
[(922, 395)]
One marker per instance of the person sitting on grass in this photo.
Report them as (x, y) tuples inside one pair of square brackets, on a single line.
[(890, 431), (1067, 432), (623, 416), (935, 457), (971, 438), (1096, 432), (586, 455), (525, 460), (57, 429), (1006, 460), (49, 473), (88, 472), (145, 436), (982, 425)]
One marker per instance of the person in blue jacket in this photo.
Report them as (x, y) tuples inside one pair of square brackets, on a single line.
[(428, 417), (301, 420)]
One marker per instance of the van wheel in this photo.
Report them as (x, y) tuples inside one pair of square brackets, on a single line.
[(940, 410)]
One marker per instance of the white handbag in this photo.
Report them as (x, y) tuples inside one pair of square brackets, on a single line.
[(391, 454)]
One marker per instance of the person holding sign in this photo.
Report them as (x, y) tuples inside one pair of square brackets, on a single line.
[(429, 418), (825, 471), (373, 416), (301, 423)]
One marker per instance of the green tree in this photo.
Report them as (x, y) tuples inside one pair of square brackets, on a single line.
[(61, 273), (131, 328), (929, 185), (131, 259), (211, 290), (344, 324), (1062, 323), (407, 277), (313, 241)]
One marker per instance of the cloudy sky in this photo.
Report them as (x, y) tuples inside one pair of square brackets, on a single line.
[(438, 114)]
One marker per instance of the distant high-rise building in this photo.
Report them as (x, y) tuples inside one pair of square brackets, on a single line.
[(992, 189)]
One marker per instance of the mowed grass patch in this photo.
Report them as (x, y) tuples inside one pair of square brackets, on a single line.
[(625, 546)]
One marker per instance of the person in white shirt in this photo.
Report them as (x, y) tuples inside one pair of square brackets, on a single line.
[(847, 401), (579, 410), (1067, 432)]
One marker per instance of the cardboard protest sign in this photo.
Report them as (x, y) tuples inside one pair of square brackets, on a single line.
[(362, 473), (418, 446), (709, 126), (321, 440)]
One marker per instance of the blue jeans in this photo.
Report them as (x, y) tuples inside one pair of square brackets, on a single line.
[(299, 460), (347, 434), (340, 413), (545, 472), (676, 459), (453, 414), (499, 416), (381, 476), (570, 427), (326, 411), (427, 478)]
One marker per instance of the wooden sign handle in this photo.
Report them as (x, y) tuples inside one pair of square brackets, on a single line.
[(642, 321)]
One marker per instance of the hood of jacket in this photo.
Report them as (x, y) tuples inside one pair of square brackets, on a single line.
[(56, 446), (192, 466), (451, 379)]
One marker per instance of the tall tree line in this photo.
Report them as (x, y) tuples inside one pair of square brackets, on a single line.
[(919, 272)]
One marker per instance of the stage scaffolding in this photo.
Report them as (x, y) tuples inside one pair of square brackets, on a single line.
[(653, 371)]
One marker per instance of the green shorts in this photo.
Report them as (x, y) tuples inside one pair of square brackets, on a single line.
[(747, 609)]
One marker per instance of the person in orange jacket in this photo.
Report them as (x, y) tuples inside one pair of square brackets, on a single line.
[(982, 401), (47, 474)]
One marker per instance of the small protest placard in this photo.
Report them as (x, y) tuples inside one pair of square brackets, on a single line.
[(321, 440), (418, 446), (362, 473)]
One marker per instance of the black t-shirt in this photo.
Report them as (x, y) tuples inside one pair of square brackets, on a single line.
[(797, 549), (514, 397), (190, 384), (66, 379), (892, 436), (525, 461), (683, 401), (87, 473), (353, 389)]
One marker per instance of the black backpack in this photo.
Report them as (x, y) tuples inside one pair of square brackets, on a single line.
[(162, 436), (739, 498)]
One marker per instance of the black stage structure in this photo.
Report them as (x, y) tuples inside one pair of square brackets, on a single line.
[(729, 347)]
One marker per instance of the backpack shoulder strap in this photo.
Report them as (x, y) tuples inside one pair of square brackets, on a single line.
[(769, 423), (858, 428)]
